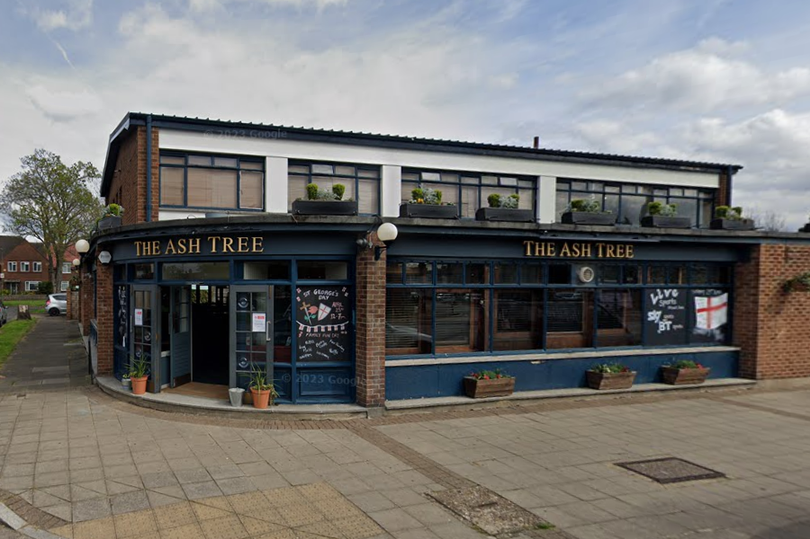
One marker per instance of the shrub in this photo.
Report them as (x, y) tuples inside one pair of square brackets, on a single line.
[(45, 287), (588, 206), (338, 189), (685, 364), (511, 202), (494, 200), (312, 192), (611, 368), (113, 210), (664, 210), (727, 212)]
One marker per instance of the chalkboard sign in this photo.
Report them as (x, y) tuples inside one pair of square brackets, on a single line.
[(665, 322), (709, 315), (322, 318)]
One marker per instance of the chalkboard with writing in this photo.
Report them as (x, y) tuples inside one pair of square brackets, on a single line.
[(323, 316), (665, 320)]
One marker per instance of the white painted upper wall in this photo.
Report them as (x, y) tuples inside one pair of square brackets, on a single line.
[(279, 150)]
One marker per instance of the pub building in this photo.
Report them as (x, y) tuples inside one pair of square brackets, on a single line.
[(217, 268)]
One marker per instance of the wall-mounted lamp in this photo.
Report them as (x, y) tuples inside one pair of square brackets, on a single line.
[(104, 257), (386, 233), (82, 246)]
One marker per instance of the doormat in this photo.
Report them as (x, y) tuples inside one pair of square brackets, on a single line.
[(670, 470), (486, 510)]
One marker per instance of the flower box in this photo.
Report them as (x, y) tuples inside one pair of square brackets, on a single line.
[(324, 207), (111, 221), (428, 211), (494, 387), (662, 221), (588, 218), (677, 377), (610, 380), (512, 215), (732, 224)]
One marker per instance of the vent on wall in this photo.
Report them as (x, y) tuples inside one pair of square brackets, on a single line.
[(585, 274)]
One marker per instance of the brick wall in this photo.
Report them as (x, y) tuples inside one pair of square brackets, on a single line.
[(370, 349), (128, 186), (86, 300), (104, 317), (25, 252), (770, 325)]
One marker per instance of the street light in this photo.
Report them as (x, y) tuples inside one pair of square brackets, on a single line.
[(82, 246)]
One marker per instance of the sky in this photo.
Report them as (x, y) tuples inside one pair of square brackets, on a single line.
[(710, 80)]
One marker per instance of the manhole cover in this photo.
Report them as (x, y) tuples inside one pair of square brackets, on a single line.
[(670, 470)]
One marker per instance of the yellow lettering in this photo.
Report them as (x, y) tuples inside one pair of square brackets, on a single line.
[(194, 246), (227, 245), (137, 248), (156, 247), (586, 249), (565, 251), (630, 251), (551, 249), (611, 251), (526, 244), (170, 250), (243, 244), (213, 240), (599, 250), (258, 244), (181, 246)]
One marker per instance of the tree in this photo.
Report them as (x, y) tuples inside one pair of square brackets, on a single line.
[(52, 203), (768, 220)]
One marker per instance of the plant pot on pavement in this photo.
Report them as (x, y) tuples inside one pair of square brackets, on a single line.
[(261, 398), (139, 385), (237, 395)]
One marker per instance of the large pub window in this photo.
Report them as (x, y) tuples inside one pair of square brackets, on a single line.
[(445, 307), (469, 190), (216, 182), (362, 182), (627, 201)]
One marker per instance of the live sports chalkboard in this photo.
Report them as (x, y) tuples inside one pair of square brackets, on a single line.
[(665, 322), (322, 321)]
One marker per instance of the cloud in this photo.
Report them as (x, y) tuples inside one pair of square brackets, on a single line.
[(209, 5), (62, 105), (75, 15), (703, 79)]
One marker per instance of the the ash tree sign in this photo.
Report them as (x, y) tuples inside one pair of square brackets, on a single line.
[(322, 320)]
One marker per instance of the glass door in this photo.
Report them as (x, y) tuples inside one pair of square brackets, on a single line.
[(251, 333), (180, 356), (145, 338)]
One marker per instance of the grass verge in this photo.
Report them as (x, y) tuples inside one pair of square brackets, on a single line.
[(36, 306), (11, 334)]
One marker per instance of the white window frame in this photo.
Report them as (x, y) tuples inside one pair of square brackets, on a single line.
[(12, 267), (66, 266), (64, 285), (29, 287), (37, 267), (25, 266)]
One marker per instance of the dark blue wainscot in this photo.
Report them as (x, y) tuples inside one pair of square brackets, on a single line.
[(411, 379)]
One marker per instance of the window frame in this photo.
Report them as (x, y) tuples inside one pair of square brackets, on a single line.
[(356, 178), (25, 267), (36, 267), (69, 267), (11, 267), (29, 288), (238, 169)]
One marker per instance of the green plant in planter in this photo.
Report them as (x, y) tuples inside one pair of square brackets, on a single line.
[(799, 283), (734, 213), (316, 193), (494, 200), (426, 196), (685, 364), (312, 191), (610, 368), (260, 381), (497, 201), (338, 189), (138, 368), (664, 210), (113, 210), (588, 206)]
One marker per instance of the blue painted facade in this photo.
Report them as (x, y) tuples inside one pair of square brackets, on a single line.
[(424, 381)]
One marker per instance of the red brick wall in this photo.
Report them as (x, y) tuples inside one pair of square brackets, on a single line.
[(770, 325), (104, 317), (128, 186), (25, 252), (370, 349), (86, 300)]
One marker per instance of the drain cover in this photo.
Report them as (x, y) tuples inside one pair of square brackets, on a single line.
[(490, 512), (670, 470)]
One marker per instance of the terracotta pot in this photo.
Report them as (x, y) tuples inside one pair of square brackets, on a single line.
[(261, 398), (139, 385)]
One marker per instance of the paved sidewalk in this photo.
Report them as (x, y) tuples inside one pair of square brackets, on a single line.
[(51, 356)]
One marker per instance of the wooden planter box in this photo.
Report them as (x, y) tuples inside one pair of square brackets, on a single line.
[(111, 221), (677, 377), (732, 224), (497, 387), (610, 380), (661, 221), (512, 215), (428, 211), (324, 207), (586, 218)]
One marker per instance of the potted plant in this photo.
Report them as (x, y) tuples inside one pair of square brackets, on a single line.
[(139, 374), (427, 203), (504, 209), (684, 371), (111, 217), (261, 388), (587, 212), (488, 384), (126, 381), (324, 202), (610, 376), (799, 283), (660, 215), (730, 218)]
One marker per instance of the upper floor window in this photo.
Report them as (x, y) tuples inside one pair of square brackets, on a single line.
[(11, 266), (362, 182), (66, 267), (628, 200), (25, 266), (211, 182), (37, 267), (469, 190)]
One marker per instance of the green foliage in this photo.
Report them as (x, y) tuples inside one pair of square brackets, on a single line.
[(664, 210), (494, 200), (418, 196), (51, 202), (511, 202), (138, 368), (727, 212), (588, 206), (800, 283), (113, 210), (260, 382), (685, 364), (11, 334), (426, 196), (312, 192), (45, 287), (489, 375), (338, 189), (611, 368)]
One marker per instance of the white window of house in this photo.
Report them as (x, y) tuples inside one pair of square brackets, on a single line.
[(37, 267), (31, 286), (25, 266), (66, 267), (63, 286), (12, 266)]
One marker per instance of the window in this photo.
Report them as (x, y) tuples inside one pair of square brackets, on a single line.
[(25, 266), (469, 190), (63, 286), (211, 182), (37, 267), (628, 200), (66, 266), (12, 266), (31, 286), (362, 183), (464, 306)]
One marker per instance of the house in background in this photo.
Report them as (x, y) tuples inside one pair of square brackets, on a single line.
[(23, 264)]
